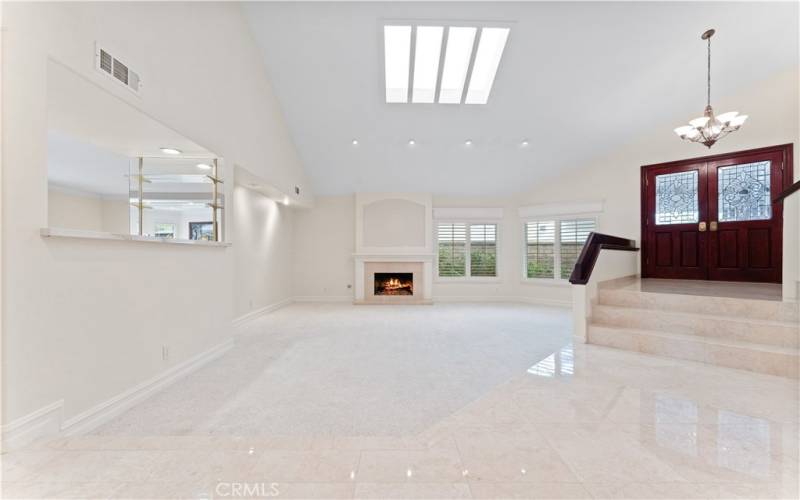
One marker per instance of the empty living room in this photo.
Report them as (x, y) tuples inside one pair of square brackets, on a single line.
[(400, 249)]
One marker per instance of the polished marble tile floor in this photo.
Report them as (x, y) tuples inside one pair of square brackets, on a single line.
[(731, 289), (352, 409)]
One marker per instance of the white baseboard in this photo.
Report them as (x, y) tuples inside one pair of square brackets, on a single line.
[(324, 298), (102, 413), (42, 423), (246, 318), (48, 422), (500, 298)]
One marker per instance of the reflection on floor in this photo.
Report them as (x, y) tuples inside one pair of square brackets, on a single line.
[(575, 421)]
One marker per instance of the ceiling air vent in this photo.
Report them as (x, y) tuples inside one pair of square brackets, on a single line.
[(116, 69)]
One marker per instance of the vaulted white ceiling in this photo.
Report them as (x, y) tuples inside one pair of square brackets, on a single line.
[(577, 80)]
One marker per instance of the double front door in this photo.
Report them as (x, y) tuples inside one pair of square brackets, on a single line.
[(713, 218)]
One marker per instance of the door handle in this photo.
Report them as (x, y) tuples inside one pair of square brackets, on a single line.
[(713, 225), (701, 227)]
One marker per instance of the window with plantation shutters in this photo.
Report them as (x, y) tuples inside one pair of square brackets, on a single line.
[(573, 235), (452, 247), (466, 250), (540, 238), (483, 249), (553, 246)]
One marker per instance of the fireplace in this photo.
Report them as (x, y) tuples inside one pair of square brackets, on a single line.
[(394, 283)]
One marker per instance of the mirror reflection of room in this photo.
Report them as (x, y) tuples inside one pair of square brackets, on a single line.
[(178, 196), (112, 169)]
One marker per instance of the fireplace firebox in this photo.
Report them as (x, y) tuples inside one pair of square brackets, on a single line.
[(394, 283)]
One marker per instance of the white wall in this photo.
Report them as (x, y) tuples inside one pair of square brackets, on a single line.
[(324, 243), (85, 320), (262, 252)]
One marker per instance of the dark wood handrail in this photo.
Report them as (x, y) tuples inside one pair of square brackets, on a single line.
[(787, 192), (591, 250)]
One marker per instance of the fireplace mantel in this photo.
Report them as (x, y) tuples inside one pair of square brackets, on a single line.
[(422, 283), (394, 257)]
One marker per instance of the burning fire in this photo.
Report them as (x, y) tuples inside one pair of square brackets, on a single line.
[(393, 284)]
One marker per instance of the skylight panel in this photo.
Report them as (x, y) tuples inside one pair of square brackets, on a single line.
[(426, 63), (490, 50), (456, 63), (397, 54)]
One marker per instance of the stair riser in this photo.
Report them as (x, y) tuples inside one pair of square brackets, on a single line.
[(723, 306), (784, 365), (733, 329)]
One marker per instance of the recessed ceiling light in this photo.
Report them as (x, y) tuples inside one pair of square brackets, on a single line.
[(426, 63), (204, 166), (456, 63), (355, 142), (171, 151), (487, 58), (397, 55), (411, 142), (468, 142), (286, 200), (524, 143)]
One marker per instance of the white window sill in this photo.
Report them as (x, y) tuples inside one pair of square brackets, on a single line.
[(57, 232), (545, 282)]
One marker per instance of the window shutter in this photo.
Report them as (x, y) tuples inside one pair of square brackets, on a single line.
[(483, 249), (452, 241), (540, 238), (573, 235)]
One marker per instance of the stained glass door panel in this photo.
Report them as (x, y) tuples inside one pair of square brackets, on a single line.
[(743, 192), (676, 198)]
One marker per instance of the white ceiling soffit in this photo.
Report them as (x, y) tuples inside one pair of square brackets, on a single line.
[(576, 80)]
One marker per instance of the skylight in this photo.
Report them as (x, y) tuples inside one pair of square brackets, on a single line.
[(397, 53), (465, 63), (456, 64), (490, 50), (426, 62)]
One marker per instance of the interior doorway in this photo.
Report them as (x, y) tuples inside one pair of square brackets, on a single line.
[(712, 218)]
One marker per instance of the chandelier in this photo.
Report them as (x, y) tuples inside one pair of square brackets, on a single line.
[(708, 129)]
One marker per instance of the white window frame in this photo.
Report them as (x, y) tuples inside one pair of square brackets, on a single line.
[(468, 259), (556, 279)]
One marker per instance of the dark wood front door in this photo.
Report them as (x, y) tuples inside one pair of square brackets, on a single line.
[(713, 217)]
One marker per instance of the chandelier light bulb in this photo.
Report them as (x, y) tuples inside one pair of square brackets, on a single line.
[(708, 129)]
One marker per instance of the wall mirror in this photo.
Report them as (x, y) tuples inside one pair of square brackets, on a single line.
[(112, 169)]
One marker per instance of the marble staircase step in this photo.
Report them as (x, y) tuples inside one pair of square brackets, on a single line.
[(712, 326), (723, 306), (768, 359)]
